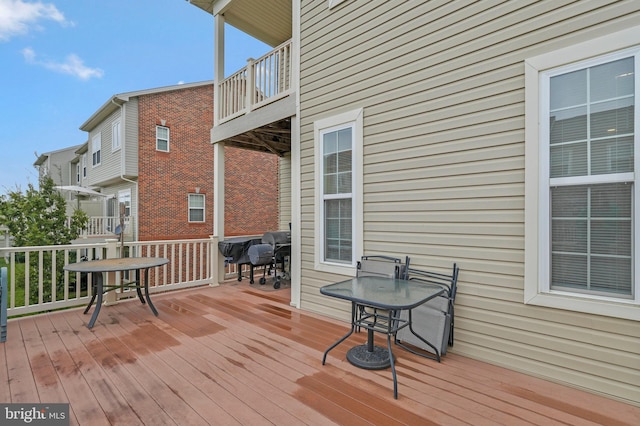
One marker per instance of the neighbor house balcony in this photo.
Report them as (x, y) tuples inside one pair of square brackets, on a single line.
[(108, 226)]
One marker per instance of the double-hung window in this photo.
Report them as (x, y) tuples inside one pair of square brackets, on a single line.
[(196, 208), (96, 149), (588, 195), (162, 138), (338, 191)]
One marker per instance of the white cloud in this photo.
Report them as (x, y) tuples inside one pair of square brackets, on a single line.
[(72, 65), (18, 17)]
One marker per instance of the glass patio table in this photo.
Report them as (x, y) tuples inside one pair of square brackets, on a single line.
[(386, 298), (98, 267)]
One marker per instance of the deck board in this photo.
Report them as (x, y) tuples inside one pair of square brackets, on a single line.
[(236, 355)]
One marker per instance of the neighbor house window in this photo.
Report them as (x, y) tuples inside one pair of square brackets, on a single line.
[(77, 172), (162, 138), (196, 207), (96, 148), (84, 165), (115, 136), (587, 192), (338, 190)]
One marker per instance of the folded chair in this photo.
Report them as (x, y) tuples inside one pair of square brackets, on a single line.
[(432, 321), (380, 266)]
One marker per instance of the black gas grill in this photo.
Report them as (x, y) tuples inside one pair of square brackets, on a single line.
[(236, 250), (274, 250)]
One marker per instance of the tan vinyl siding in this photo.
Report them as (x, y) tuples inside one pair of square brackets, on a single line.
[(442, 88)]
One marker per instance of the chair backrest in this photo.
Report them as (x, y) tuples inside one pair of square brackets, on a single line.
[(382, 266), (448, 281)]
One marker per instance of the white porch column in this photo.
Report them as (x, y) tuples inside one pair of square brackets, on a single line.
[(218, 64), (218, 148), (218, 190)]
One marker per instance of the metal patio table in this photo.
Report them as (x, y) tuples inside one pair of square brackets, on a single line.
[(387, 297), (97, 268)]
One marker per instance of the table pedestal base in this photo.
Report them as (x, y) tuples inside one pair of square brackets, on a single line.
[(360, 356)]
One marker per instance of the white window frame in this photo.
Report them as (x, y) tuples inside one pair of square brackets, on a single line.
[(96, 150), (203, 208), (353, 119), (84, 166), (78, 172), (168, 138), (537, 245), (116, 134)]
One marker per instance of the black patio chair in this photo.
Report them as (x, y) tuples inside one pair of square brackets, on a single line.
[(432, 321), (380, 266)]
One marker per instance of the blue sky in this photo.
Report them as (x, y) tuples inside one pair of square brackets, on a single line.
[(60, 60)]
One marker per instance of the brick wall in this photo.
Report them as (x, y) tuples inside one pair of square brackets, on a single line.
[(166, 178)]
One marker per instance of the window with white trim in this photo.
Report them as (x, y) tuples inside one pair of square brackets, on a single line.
[(84, 165), (585, 233), (96, 149), (115, 136), (77, 172), (337, 194), (196, 208), (162, 138), (338, 191)]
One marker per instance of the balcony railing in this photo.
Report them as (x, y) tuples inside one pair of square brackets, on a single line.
[(37, 281), (261, 82), (106, 226)]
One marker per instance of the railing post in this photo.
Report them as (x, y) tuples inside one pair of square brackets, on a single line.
[(251, 84), (214, 261), (112, 252), (3, 304)]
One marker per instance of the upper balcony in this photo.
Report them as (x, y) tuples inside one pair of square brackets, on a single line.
[(254, 105), (263, 81)]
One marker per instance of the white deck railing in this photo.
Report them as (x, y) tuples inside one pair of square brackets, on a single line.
[(261, 82), (106, 226), (38, 283)]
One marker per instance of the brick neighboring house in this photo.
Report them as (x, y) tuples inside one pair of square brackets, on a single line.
[(151, 151)]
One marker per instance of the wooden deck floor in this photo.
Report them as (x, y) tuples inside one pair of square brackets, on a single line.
[(235, 355)]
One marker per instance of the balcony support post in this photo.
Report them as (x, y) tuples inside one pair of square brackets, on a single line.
[(218, 71)]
